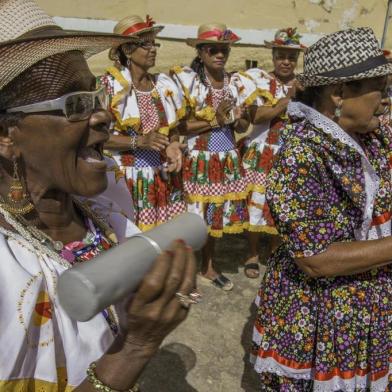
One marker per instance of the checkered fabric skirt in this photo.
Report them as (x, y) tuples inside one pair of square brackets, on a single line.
[(257, 158), (215, 188)]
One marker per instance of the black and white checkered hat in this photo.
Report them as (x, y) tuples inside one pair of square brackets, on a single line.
[(346, 55)]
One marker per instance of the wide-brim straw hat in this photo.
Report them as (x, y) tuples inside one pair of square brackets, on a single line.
[(213, 33), (28, 35), (286, 39), (344, 56), (134, 26)]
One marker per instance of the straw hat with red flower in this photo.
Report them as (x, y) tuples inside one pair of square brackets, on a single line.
[(213, 33), (287, 38), (134, 26)]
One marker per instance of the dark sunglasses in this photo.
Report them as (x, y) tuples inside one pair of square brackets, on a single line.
[(215, 49)]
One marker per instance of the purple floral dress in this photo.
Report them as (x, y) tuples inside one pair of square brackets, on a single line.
[(326, 334)]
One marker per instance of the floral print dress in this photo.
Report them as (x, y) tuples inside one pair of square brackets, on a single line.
[(326, 334), (261, 147)]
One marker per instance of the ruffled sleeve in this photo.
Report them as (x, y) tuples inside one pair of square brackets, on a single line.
[(262, 81), (243, 88), (185, 78), (299, 203), (173, 94)]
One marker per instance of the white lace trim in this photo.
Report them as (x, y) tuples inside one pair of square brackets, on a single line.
[(351, 385), (380, 231), (269, 365), (372, 181)]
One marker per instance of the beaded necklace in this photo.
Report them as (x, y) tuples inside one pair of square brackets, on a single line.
[(157, 102), (226, 91), (43, 244)]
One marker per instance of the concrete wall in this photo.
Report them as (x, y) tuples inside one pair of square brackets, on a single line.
[(257, 19), (320, 16)]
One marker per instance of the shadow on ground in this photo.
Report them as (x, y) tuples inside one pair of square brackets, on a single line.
[(209, 352), (169, 368)]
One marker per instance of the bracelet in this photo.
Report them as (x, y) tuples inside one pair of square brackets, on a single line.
[(99, 385), (214, 123), (133, 142)]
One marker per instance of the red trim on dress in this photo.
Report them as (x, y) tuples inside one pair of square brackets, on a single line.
[(322, 376), (379, 220)]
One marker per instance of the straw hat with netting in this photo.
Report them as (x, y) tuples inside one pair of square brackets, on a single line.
[(28, 35)]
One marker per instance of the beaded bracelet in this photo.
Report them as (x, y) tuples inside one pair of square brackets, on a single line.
[(133, 142), (99, 385)]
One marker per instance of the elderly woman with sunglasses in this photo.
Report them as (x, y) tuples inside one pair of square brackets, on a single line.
[(325, 303), (146, 109), (52, 131), (276, 89), (214, 182)]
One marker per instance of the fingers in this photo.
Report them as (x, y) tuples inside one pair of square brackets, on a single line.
[(157, 146), (174, 310), (176, 274), (153, 284), (225, 106), (189, 280), (162, 139), (178, 164)]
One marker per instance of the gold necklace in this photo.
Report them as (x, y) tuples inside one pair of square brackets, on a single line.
[(44, 244)]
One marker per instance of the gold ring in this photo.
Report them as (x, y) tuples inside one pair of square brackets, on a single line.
[(187, 300)]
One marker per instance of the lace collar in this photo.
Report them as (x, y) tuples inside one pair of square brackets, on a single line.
[(301, 111)]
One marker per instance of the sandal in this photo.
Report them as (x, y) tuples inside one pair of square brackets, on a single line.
[(220, 281), (223, 283), (252, 270), (252, 267)]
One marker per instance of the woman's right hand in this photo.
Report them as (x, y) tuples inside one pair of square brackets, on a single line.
[(222, 112), (155, 310), (152, 141)]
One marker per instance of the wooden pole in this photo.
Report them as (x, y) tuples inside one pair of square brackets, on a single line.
[(386, 24)]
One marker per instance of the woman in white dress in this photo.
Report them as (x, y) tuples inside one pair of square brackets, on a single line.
[(53, 127)]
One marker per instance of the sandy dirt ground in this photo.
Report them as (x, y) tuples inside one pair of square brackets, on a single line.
[(209, 351)]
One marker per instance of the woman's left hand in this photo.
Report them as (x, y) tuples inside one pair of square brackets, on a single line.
[(174, 156), (240, 112)]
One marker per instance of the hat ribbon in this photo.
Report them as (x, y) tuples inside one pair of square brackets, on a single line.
[(367, 65), (219, 34), (139, 26)]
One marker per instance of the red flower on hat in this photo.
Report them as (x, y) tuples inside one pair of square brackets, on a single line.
[(149, 21)]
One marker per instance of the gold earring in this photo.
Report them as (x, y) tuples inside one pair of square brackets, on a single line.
[(17, 201)]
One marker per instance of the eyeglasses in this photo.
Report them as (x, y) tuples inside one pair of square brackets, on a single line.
[(148, 45), (214, 50), (75, 106)]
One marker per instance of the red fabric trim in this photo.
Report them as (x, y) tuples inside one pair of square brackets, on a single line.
[(322, 376), (219, 34), (379, 220), (284, 361), (350, 374), (139, 26), (136, 27), (259, 328)]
